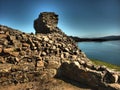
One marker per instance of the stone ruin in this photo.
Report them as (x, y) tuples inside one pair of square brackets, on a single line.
[(46, 22), (50, 53)]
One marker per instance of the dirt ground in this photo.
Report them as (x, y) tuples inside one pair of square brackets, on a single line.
[(52, 84)]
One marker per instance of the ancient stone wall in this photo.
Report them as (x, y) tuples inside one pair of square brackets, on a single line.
[(46, 22)]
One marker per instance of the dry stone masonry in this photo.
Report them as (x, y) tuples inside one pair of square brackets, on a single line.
[(49, 53)]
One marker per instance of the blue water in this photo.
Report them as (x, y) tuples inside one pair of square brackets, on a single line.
[(106, 51)]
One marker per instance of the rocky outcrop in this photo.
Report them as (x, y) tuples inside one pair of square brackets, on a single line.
[(49, 53), (99, 78), (46, 22)]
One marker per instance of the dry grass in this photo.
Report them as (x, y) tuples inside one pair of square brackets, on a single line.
[(111, 66)]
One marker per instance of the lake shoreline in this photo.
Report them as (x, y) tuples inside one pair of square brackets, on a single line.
[(106, 51), (98, 39)]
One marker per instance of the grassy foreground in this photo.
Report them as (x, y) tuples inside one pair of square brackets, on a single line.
[(111, 66)]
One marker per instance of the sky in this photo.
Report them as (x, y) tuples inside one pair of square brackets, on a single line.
[(83, 18)]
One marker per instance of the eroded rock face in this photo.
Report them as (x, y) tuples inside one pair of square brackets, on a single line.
[(46, 22), (49, 53), (92, 76)]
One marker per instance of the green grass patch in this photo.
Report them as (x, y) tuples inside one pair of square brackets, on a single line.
[(108, 65)]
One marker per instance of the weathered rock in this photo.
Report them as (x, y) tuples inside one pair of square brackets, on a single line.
[(110, 77), (45, 38), (52, 62), (76, 72), (25, 45), (2, 60), (5, 68), (43, 54), (113, 87), (8, 50), (102, 68), (46, 22), (0, 49), (40, 64), (3, 36), (90, 77), (115, 78)]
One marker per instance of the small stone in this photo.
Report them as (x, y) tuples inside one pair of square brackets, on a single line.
[(76, 52), (115, 86), (66, 50), (22, 53), (66, 54), (5, 68), (115, 78), (101, 68), (83, 54), (46, 39), (5, 42), (12, 38), (2, 32), (34, 48), (43, 53), (8, 50), (74, 57), (15, 54), (7, 33), (54, 47), (11, 60), (62, 55), (17, 59), (25, 45), (30, 42), (0, 49), (119, 78), (2, 60), (51, 72), (63, 45), (89, 65), (53, 64), (24, 48), (39, 58), (77, 63), (3, 36), (50, 41), (81, 62), (40, 64)]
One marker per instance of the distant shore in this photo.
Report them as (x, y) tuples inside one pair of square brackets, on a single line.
[(99, 39)]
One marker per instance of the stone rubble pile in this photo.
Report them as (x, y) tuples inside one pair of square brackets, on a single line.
[(46, 54), (24, 55)]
